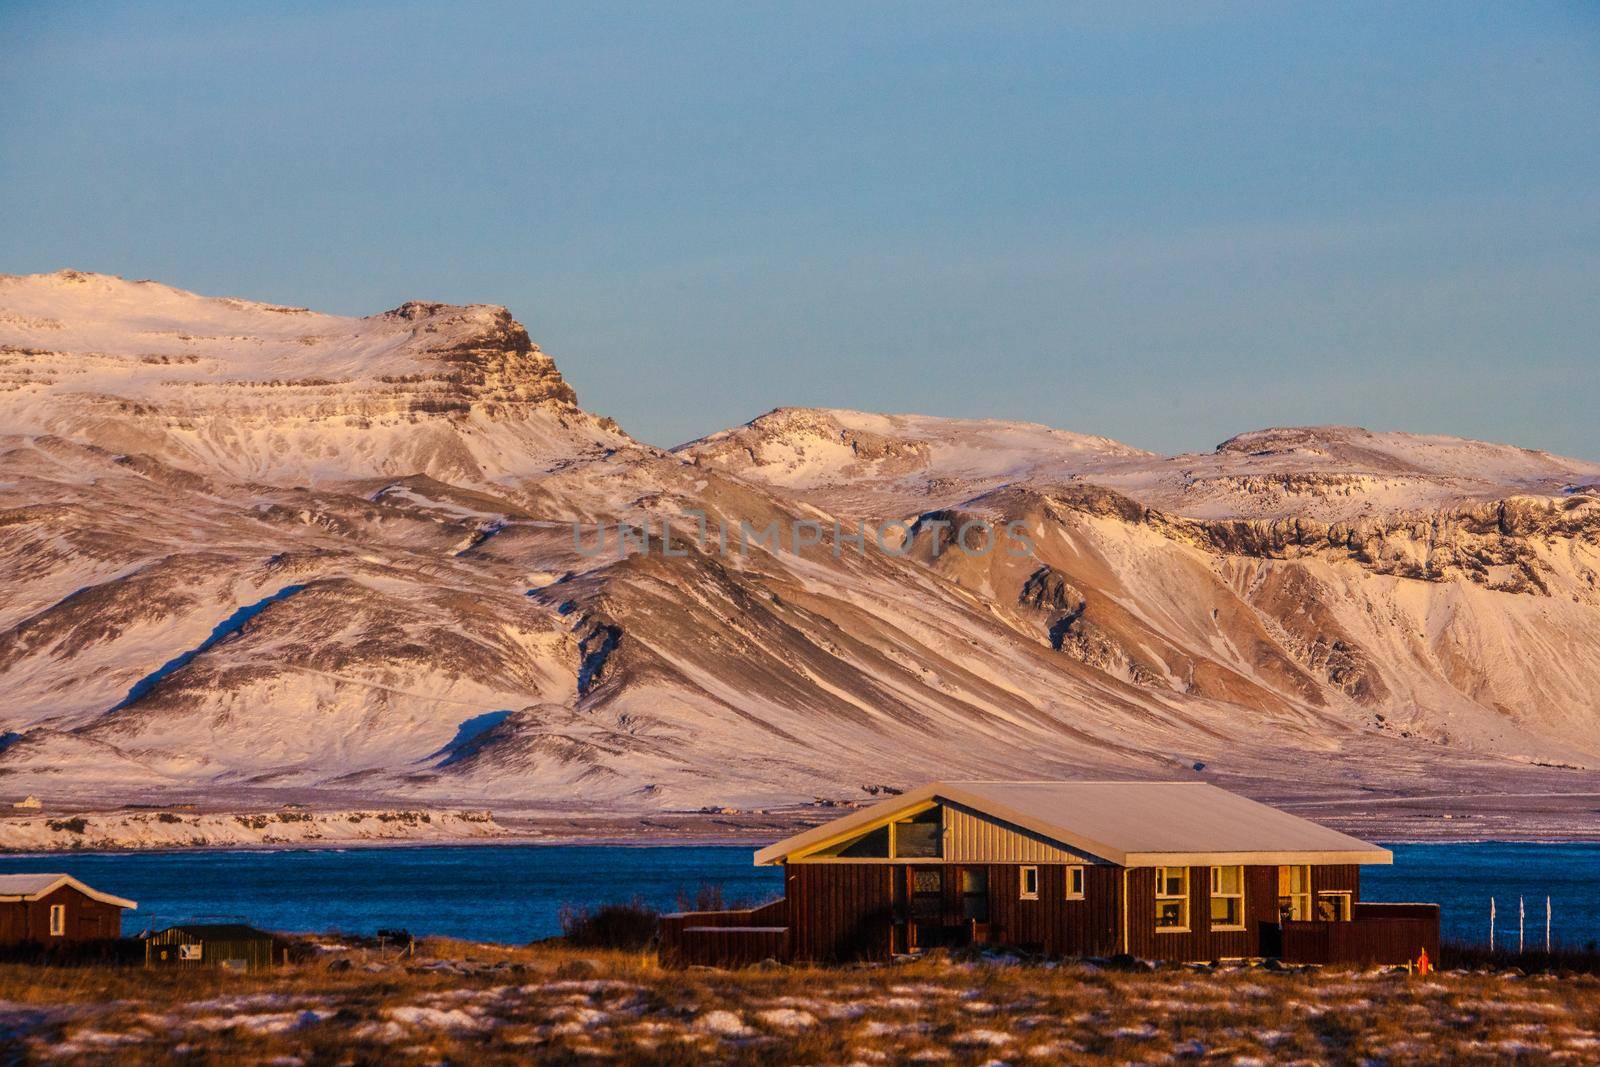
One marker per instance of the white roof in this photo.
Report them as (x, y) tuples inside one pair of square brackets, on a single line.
[(1131, 824), (36, 886)]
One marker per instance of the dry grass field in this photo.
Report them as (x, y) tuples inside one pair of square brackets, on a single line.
[(470, 1004)]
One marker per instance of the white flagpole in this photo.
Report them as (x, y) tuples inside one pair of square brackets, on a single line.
[(1521, 914), (1491, 924), (1547, 924)]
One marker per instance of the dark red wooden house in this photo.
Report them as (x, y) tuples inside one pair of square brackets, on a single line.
[(1160, 870), (56, 909)]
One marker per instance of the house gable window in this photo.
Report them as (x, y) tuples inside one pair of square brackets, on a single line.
[(1172, 899), (58, 920), (874, 844), (1030, 883), (1074, 883), (919, 835), (1227, 898), (1294, 892)]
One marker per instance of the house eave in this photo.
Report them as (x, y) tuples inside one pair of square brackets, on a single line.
[(1262, 858)]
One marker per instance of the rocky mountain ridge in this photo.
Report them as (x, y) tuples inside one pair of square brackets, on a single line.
[(259, 391), (257, 549)]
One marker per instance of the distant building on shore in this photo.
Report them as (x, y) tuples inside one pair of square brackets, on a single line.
[(231, 946), (53, 909), (1179, 871), (29, 803)]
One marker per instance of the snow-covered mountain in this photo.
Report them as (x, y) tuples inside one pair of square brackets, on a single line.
[(912, 463), (250, 549), (282, 394)]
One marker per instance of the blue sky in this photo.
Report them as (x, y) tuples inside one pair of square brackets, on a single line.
[(1166, 224)]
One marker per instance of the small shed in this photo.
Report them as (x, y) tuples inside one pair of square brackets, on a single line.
[(233, 946), (52, 909)]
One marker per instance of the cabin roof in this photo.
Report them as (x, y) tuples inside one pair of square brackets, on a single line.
[(219, 931), (1128, 823), (38, 886)]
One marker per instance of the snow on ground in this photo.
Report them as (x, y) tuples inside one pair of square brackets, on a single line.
[(479, 1003)]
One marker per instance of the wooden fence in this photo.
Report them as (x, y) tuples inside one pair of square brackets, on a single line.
[(725, 938), (1376, 934)]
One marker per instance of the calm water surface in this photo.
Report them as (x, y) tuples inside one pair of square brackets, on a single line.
[(514, 893)]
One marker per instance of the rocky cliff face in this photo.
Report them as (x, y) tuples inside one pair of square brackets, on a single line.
[(248, 549), (266, 392)]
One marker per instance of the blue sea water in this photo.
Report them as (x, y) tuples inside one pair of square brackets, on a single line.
[(1461, 879), (515, 893)]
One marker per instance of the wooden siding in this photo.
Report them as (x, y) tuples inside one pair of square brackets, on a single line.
[(1380, 934), (1052, 924), (725, 938), (164, 950), (1200, 941), (840, 911), (972, 837), (1336, 877), (86, 919)]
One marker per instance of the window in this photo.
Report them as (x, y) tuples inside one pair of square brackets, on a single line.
[(1074, 883), (927, 894), (872, 845), (1294, 893), (1030, 883), (918, 837), (1172, 899), (1227, 898), (58, 920), (975, 894), (1333, 907)]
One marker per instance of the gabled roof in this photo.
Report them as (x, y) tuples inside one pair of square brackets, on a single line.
[(38, 886), (1131, 824)]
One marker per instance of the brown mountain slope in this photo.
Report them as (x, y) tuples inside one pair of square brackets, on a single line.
[(309, 552)]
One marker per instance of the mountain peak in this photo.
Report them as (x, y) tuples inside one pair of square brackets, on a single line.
[(1289, 438), (271, 391)]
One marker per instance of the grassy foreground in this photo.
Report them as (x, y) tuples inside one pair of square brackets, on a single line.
[(463, 1004)]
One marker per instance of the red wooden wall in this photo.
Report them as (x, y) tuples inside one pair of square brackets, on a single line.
[(840, 911), (848, 910), (87, 919)]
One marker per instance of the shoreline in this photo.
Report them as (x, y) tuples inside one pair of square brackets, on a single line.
[(325, 823), (609, 841)]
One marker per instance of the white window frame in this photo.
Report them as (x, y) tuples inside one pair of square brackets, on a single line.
[(1305, 895), (1343, 900), (1162, 896), (1022, 883), (1217, 894), (58, 920), (1074, 875)]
